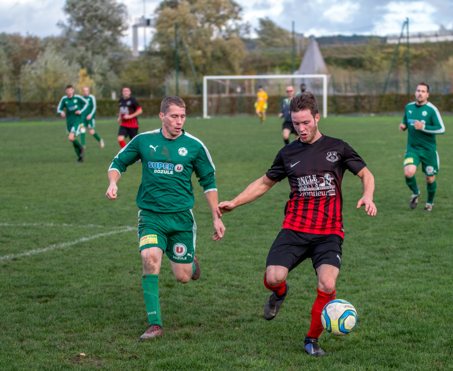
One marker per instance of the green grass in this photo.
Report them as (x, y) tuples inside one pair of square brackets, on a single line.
[(86, 297)]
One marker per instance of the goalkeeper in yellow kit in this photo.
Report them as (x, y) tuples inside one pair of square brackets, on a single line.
[(261, 104)]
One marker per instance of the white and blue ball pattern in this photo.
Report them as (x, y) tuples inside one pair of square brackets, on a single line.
[(339, 317)]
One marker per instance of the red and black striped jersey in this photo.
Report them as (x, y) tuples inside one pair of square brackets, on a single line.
[(127, 107), (315, 172)]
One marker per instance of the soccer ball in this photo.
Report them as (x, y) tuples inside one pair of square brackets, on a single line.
[(339, 317)]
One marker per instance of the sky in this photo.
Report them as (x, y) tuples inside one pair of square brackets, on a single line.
[(314, 17)]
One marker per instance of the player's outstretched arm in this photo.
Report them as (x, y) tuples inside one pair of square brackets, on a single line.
[(255, 190), (402, 127), (368, 192), (219, 229), (112, 190)]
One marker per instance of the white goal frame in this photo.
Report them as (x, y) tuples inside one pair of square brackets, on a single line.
[(262, 77)]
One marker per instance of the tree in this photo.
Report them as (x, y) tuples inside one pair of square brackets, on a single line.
[(85, 80), (46, 78), (19, 50), (94, 28), (270, 35), (211, 29)]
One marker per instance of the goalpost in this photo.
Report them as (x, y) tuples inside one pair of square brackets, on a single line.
[(229, 91)]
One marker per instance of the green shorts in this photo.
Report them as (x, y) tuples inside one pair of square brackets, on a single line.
[(174, 233), (73, 126), (429, 160), (90, 124)]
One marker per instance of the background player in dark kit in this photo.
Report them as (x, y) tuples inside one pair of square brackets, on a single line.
[(129, 110), (313, 224), (287, 125)]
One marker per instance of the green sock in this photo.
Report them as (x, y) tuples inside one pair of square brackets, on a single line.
[(431, 191), (97, 137), (412, 184), (76, 145), (82, 137), (151, 294)]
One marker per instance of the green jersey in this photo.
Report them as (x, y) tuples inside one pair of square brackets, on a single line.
[(429, 116), (167, 167), (91, 108), (76, 103)]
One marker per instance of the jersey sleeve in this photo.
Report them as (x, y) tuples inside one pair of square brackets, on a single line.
[(405, 121), (205, 170), (351, 160), (61, 105), (437, 126), (94, 105), (277, 172), (84, 101), (127, 156), (135, 103), (265, 95)]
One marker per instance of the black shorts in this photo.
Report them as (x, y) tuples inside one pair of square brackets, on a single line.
[(128, 132), (291, 248), (289, 125)]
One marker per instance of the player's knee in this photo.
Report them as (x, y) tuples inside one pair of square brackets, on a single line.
[(151, 264), (183, 278), (430, 179), (327, 285), (408, 172), (273, 278)]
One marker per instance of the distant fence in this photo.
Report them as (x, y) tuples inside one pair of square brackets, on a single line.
[(234, 105)]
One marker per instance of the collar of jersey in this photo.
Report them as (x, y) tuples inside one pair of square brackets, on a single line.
[(171, 140), (311, 144)]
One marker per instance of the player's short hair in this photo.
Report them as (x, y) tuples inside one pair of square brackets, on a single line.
[(69, 86), (171, 101), (424, 84), (304, 101), (260, 87), (126, 87)]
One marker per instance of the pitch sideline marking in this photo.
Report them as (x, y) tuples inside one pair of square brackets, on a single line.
[(56, 225), (65, 244)]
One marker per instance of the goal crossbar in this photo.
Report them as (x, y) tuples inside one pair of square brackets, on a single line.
[(261, 77)]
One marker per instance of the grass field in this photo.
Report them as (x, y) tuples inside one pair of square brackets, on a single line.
[(70, 271)]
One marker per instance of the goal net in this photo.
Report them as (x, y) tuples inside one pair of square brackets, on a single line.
[(236, 95)]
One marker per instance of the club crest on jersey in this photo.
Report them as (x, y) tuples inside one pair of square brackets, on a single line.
[(424, 113), (332, 156), (179, 249), (183, 151), (179, 168)]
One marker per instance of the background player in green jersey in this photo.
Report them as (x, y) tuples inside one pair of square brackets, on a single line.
[(75, 105), (89, 120), (423, 121), (165, 197)]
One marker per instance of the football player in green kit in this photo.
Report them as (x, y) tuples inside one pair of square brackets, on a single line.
[(89, 120), (423, 122), (165, 198), (75, 106)]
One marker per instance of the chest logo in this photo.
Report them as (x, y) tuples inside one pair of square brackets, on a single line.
[(410, 111), (75, 100), (332, 156), (179, 168), (292, 165), (128, 103), (183, 151), (424, 113), (154, 147)]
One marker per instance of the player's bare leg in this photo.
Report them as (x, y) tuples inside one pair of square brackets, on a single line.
[(275, 280), (286, 133), (409, 173), (263, 116), (185, 272), (152, 259), (431, 185), (259, 115), (327, 278)]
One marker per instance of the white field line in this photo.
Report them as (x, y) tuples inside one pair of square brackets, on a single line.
[(65, 244), (56, 225)]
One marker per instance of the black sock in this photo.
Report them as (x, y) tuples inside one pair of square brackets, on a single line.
[(286, 141)]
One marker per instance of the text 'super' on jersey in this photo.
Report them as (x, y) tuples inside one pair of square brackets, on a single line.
[(429, 116), (315, 172), (128, 107), (167, 167)]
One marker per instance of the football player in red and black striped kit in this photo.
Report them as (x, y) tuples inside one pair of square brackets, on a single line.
[(129, 110), (313, 224)]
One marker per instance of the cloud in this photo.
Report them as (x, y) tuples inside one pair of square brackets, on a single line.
[(342, 13)]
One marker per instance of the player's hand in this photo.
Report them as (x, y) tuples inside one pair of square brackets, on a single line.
[(126, 117), (225, 207), (119, 119), (111, 192), (280, 115), (370, 207), (402, 127), (89, 117), (418, 125), (219, 230), (77, 112), (63, 114)]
